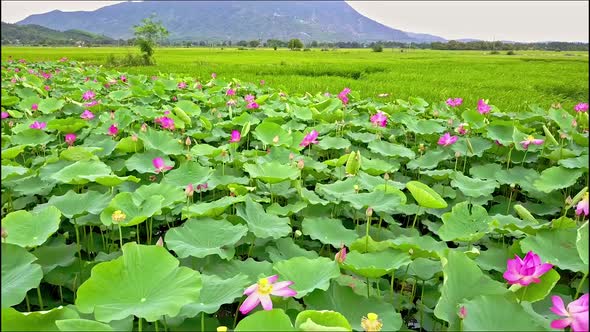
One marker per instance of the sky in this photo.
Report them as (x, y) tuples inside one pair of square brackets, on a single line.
[(522, 21)]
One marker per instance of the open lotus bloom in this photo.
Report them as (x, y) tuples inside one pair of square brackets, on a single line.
[(447, 140), (379, 119), (531, 140), (483, 107), (160, 166), (38, 125), (583, 206), (581, 107), (261, 291), (576, 314), (454, 102), (310, 138), (87, 115), (70, 139), (527, 270), (88, 95), (235, 136)]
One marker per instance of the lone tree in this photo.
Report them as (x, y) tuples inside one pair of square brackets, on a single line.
[(295, 43), (147, 35)]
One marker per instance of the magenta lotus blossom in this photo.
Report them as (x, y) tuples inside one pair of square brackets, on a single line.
[(249, 98), (379, 119), (34, 107), (343, 95), (160, 166), (47, 88), (230, 92), (462, 312), (46, 75), (38, 125), (92, 103), (202, 186), (527, 270), (531, 139), (261, 291), (165, 122), (64, 59), (483, 107), (576, 313), (252, 105), (461, 129), (235, 136), (5, 115), (583, 206), (454, 102), (581, 107), (310, 138), (262, 82), (447, 140), (213, 75), (87, 115), (189, 190), (340, 256), (113, 130), (70, 139), (182, 85), (88, 95), (123, 78)]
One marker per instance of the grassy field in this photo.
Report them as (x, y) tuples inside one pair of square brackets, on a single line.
[(509, 82)]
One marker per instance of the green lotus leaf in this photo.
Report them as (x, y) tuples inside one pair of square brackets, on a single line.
[(189, 108), (429, 160), (307, 274), (204, 237), (425, 127), (215, 293), (325, 320), (425, 196), (376, 264), (334, 191), (354, 307), (211, 209), (249, 267), (67, 125), (75, 325), (336, 143), (135, 211), (285, 248), (76, 153), (537, 291), (328, 231), (271, 320), (463, 280), (378, 166), (189, 172), (161, 141), (501, 132), (378, 200), (489, 312), (422, 246), (50, 105), (127, 145), (113, 180), (267, 131), (143, 162), (13, 320), (577, 162), (13, 171), (475, 119), (556, 246), (582, 242), (170, 193), (146, 282), (18, 275), (424, 269), (82, 172), (555, 178), (12, 152), (55, 253), (391, 150), (72, 204), (464, 223), (263, 224), (28, 229), (524, 214), (272, 172), (31, 137)]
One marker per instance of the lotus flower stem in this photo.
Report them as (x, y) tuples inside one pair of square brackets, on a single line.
[(415, 218), (61, 295), (137, 232), (236, 313), (139, 324), (78, 247), (391, 284), (202, 321), (156, 326), (40, 298), (509, 201), (524, 158), (368, 288), (27, 302), (580, 285), (421, 302), (523, 294), (121, 239), (509, 156), (379, 229)]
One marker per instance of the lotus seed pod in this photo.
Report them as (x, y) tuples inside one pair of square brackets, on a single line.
[(118, 216), (298, 233), (568, 200), (371, 323)]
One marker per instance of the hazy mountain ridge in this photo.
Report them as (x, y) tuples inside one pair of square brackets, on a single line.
[(233, 20), (32, 33)]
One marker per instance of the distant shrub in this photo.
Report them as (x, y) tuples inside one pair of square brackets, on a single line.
[(306, 49), (274, 48), (511, 52), (325, 49), (129, 60), (377, 48), (495, 52), (242, 49)]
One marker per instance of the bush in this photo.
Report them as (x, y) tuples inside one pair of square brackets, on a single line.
[(325, 49), (306, 49), (129, 60), (377, 48), (511, 52)]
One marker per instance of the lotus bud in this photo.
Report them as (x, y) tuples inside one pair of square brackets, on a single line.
[(134, 138), (356, 188), (112, 115), (574, 123), (118, 216), (569, 200), (160, 242), (189, 190), (11, 123), (386, 176), (450, 122), (435, 113), (187, 142), (341, 255), (298, 233), (512, 185), (371, 323), (563, 135), (4, 233), (300, 164), (457, 154), (462, 312), (369, 212), (144, 127), (275, 140), (291, 156), (421, 147)]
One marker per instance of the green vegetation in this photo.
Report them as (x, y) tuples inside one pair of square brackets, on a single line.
[(509, 82), (32, 34)]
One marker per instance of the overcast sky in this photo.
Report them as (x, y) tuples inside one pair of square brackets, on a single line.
[(487, 20)]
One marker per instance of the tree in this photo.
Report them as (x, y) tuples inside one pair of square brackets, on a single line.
[(314, 43), (295, 43), (242, 43), (377, 47), (147, 35), (254, 43)]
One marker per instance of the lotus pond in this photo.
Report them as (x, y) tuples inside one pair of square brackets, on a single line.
[(138, 203)]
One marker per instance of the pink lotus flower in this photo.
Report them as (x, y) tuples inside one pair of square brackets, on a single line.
[(260, 293), (583, 206), (235, 136), (70, 139), (88, 95), (154, 78), (203, 186), (5, 115), (482, 107), (34, 107), (16, 70), (447, 140), (199, 86), (160, 166), (38, 125), (310, 138), (87, 115), (249, 98), (231, 102), (46, 75), (341, 255), (461, 129), (230, 92), (262, 82), (113, 130), (165, 122), (576, 313), (47, 88), (379, 119), (252, 105), (189, 190), (454, 102), (213, 75), (525, 144), (343, 95), (181, 85), (92, 103), (581, 107), (527, 270), (462, 312), (123, 78), (64, 59)]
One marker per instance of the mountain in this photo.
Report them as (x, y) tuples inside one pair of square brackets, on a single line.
[(36, 34), (233, 20)]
